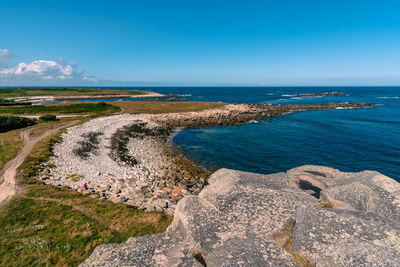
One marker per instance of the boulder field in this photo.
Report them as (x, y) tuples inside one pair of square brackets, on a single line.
[(308, 216)]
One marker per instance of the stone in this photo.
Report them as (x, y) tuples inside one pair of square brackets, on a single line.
[(332, 237), (247, 219)]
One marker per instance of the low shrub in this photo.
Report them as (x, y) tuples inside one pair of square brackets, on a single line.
[(8, 123), (10, 102), (48, 117), (101, 104)]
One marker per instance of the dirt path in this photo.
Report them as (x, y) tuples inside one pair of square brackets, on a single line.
[(8, 186)]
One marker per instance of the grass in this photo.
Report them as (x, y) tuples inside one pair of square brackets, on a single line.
[(326, 204), (81, 108), (10, 144), (137, 107), (55, 226), (299, 259), (50, 225), (24, 92)]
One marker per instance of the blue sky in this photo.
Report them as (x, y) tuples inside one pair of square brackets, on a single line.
[(199, 42)]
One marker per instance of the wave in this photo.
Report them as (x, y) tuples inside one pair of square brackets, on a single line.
[(288, 95), (185, 95), (269, 93), (296, 97), (389, 97)]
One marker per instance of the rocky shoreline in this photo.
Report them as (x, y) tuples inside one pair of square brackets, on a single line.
[(128, 158)]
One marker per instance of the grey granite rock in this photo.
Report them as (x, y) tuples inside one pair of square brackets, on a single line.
[(244, 219), (332, 237), (166, 249)]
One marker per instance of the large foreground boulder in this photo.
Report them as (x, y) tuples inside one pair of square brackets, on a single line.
[(308, 216)]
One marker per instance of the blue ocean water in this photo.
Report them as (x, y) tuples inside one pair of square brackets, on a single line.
[(347, 139)]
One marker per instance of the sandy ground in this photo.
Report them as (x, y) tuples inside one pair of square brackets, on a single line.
[(8, 186)]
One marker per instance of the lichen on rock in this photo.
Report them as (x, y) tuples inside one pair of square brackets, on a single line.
[(246, 219)]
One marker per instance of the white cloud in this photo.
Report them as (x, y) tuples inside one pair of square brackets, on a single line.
[(42, 70), (4, 56)]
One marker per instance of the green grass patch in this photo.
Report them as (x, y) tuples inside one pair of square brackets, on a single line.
[(10, 144), (81, 108), (326, 205), (46, 232), (8, 123), (299, 259), (40, 154), (10, 102)]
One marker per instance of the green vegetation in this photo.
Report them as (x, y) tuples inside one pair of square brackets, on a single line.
[(48, 117), (51, 225), (136, 107), (299, 259), (24, 92), (10, 144), (10, 102), (56, 226), (326, 205), (8, 123), (81, 108), (74, 176)]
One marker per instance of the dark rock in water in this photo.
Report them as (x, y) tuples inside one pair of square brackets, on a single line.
[(247, 219), (322, 94)]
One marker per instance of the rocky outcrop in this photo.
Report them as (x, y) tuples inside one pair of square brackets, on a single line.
[(322, 94), (236, 114), (309, 215)]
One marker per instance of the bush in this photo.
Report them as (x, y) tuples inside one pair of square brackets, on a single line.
[(48, 117), (101, 104), (10, 102), (8, 123)]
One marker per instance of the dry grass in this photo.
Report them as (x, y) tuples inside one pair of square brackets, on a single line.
[(137, 107), (299, 259), (10, 144), (326, 204)]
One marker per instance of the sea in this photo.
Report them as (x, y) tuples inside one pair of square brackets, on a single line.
[(347, 139)]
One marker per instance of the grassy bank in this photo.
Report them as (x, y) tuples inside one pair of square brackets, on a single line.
[(25, 92), (100, 108), (49, 225), (10, 144), (137, 107)]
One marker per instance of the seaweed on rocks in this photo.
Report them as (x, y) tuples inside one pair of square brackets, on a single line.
[(138, 129), (87, 146)]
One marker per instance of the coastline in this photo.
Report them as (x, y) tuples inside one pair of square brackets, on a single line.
[(149, 173), (37, 99)]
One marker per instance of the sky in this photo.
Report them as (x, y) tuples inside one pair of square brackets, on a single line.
[(199, 43)]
